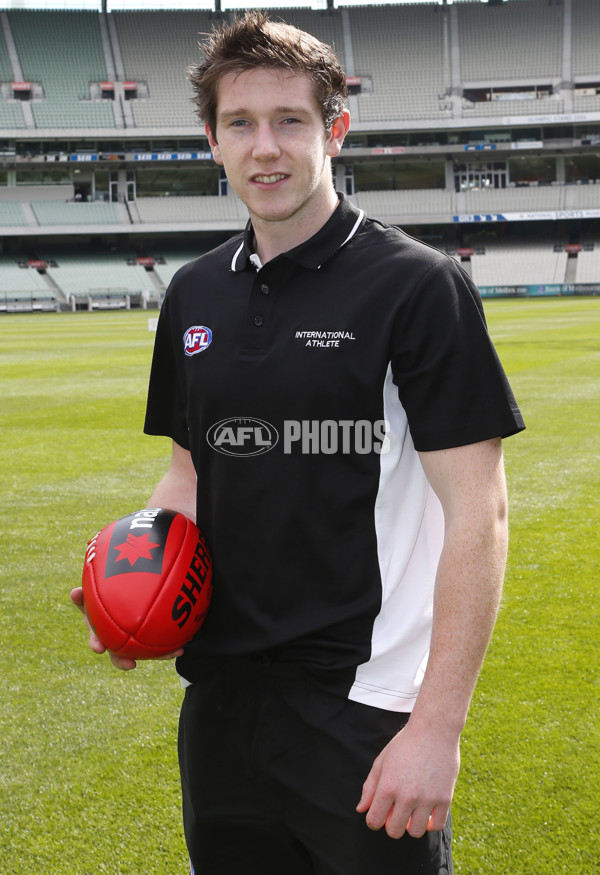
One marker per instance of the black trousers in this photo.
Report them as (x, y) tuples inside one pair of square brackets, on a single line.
[(272, 766)]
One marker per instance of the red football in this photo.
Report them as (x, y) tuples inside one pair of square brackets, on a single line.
[(147, 583)]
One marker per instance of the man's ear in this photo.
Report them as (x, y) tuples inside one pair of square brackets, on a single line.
[(339, 129), (214, 146)]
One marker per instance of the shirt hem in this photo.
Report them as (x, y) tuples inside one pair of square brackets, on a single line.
[(388, 700)]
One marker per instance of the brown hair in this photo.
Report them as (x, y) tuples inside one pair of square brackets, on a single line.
[(255, 41)]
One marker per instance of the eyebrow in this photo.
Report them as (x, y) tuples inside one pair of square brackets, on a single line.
[(278, 110)]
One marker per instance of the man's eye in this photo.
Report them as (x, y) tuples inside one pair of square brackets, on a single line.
[(239, 123)]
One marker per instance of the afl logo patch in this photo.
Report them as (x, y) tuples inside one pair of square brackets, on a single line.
[(244, 436), (196, 339)]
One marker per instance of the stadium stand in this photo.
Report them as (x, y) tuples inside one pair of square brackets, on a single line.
[(173, 262), (192, 209), (6, 72), (586, 72), (519, 264), (508, 108), (18, 279), (11, 213), (23, 288), (582, 103), (66, 71), (50, 212), (157, 50), (77, 274), (326, 25), (388, 205), (586, 27), (450, 100), (588, 265), (517, 199), (584, 196), (521, 40), (11, 114), (390, 49)]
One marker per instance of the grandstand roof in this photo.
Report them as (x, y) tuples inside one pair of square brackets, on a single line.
[(147, 5)]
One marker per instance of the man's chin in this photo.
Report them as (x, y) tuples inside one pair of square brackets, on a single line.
[(271, 212)]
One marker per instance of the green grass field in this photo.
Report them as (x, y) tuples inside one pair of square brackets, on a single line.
[(88, 769)]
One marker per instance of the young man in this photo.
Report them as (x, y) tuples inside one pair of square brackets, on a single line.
[(336, 409)]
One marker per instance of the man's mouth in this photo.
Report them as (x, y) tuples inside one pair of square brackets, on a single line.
[(267, 179)]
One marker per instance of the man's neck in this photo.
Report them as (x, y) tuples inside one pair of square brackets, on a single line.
[(273, 238)]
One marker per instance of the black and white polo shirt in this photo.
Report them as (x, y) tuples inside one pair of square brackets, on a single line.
[(303, 389)]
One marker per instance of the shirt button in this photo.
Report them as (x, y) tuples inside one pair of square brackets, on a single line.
[(258, 320), (265, 289)]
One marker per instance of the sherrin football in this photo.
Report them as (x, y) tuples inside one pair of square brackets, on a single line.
[(147, 583)]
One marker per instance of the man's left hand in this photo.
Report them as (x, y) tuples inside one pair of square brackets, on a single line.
[(411, 783)]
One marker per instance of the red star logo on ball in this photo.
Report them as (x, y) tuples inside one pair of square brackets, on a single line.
[(134, 548)]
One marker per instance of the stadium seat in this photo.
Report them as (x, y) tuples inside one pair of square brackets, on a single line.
[(519, 264), (11, 214), (191, 209), (588, 265), (23, 288), (50, 212), (586, 28), (516, 41), (79, 275)]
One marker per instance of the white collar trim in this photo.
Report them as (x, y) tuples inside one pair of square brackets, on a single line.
[(361, 216), (236, 253)]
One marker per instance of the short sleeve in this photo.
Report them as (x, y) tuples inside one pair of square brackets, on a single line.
[(166, 408), (449, 377)]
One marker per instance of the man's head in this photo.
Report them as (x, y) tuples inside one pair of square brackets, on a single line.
[(253, 41)]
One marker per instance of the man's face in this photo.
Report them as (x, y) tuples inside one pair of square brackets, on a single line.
[(271, 139)]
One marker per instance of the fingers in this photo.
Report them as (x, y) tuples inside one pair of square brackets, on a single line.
[(438, 818), (421, 821), (173, 655), (398, 820), (399, 812), (126, 663), (409, 788), (121, 662), (386, 811), (379, 802), (369, 788), (418, 822)]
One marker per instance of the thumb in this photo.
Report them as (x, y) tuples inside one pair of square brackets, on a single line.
[(76, 596)]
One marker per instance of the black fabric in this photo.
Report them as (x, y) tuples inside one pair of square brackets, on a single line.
[(309, 339), (272, 767), (407, 302)]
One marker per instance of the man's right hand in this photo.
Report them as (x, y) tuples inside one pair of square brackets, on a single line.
[(96, 645)]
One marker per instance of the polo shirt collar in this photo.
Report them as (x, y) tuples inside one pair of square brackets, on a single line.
[(335, 233)]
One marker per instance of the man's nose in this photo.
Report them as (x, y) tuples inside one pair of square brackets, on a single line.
[(265, 143)]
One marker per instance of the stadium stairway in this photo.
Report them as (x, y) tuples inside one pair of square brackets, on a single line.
[(571, 270), (15, 64), (57, 292), (28, 212)]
